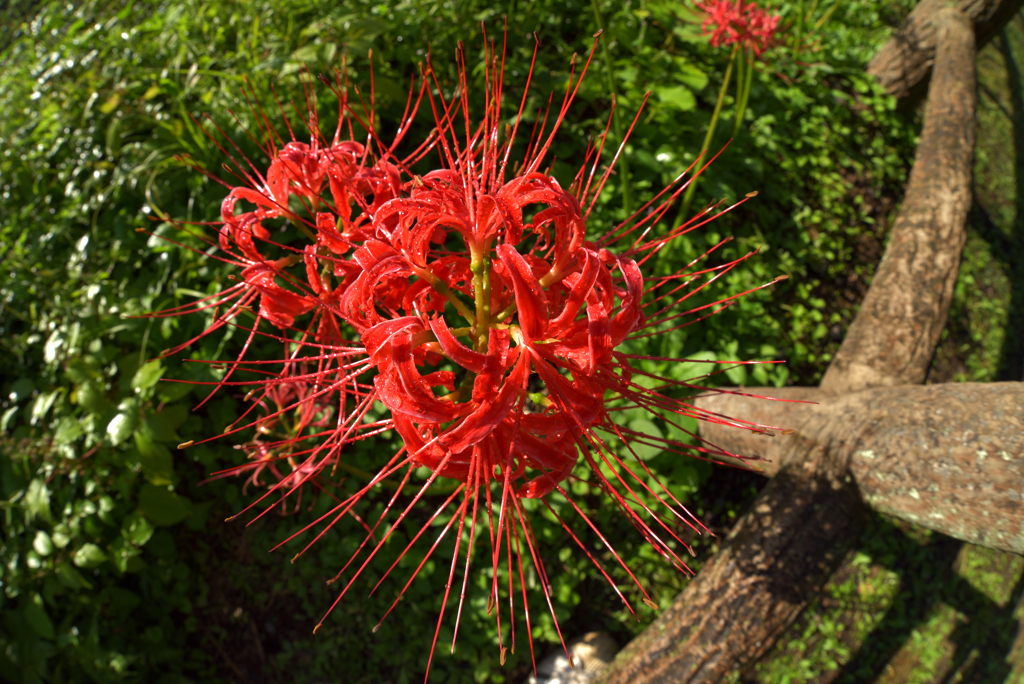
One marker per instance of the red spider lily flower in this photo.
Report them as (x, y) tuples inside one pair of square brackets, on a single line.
[(489, 324), (325, 190), (736, 22)]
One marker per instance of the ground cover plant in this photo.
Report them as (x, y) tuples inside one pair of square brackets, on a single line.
[(116, 563)]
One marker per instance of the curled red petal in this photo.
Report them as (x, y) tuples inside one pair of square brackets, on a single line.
[(455, 350), (581, 288), (328, 235), (375, 338), (531, 300), (542, 485), (277, 305), (490, 412), (599, 337), (489, 377), (630, 313)]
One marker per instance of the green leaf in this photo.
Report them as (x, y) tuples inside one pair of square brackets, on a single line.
[(90, 397), (160, 427), (88, 556), (686, 425), (106, 505), (37, 619), (174, 416), (42, 406), (169, 392), (20, 390), (83, 369), (121, 554), (162, 506), (68, 430), (156, 460), (119, 427), (111, 104), (137, 529), (61, 535), (122, 601), (147, 375), (37, 500), (71, 578), (307, 53), (196, 520), (6, 419), (123, 424), (646, 427), (690, 76), (51, 349), (680, 97), (685, 479), (737, 375), (42, 543), (692, 368)]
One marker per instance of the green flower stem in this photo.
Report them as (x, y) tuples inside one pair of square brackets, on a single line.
[(828, 15), (550, 278), (744, 80), (688, 197), (801, 20), (627, 192), (480, 266), (443, 289)]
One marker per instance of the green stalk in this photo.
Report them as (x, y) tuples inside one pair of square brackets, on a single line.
[(745, 59), (446, 292), (828, 15), (801, 17), (741, 65), (627, 194), (480, 266), (811, 11), (688, 197)]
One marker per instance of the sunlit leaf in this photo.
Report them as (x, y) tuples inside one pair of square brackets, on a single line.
[(648, 428), (137, 529), (147, 375), (111, 103), (37, 499), (42, 406), (124, 422), (693, 368), (42, 543), (88, 556), (680, 97), (90, 397)]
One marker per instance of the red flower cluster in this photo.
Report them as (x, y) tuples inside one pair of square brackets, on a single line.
[(735, 22), (468, 300)]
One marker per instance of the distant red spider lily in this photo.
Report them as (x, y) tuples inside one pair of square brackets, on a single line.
[(461, 288), (736, 22)]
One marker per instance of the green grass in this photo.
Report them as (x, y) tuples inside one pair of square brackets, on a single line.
[(906, 605)]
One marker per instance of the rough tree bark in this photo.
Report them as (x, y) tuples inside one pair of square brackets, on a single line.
[(785, 548), (894, 335), (904, 63), (947, 457)]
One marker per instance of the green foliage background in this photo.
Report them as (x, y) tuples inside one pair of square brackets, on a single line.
[(116, 566)]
